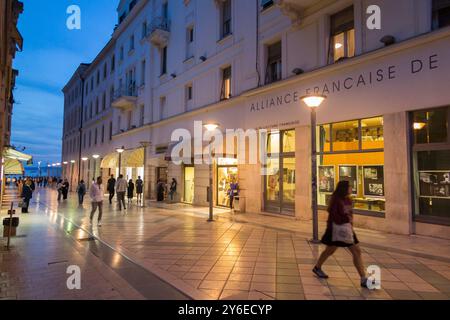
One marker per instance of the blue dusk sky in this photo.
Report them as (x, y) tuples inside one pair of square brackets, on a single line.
[(50, 55)]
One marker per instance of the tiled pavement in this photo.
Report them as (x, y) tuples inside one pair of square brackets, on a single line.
[(249, 256)]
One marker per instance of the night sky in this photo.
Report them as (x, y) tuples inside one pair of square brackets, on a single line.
[(50, 55)]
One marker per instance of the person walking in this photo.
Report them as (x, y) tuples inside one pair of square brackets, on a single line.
[(173, 189), (65, 189), (81, 191), (96, 194), (130, 192), (121, 188), (340, 233), (26, 195), (111, 188), (59, 187), (233, 192), (160, 191), (139, 190)]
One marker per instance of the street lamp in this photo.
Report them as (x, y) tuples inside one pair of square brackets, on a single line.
[(210, 127), (84, 159), (72, 163), (313, 102), (120, 151), (145, 145), (95, 156), (39, 168)]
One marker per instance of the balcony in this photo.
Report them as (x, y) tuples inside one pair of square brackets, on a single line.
[(125, 98), (159, 32), (296, 9)]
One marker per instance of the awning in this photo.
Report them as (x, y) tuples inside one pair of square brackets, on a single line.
[(130, 159), (111, 161), (13, 167), (10, 153), (133, 158)]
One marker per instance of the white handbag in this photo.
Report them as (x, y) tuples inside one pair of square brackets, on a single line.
[(343, 233)]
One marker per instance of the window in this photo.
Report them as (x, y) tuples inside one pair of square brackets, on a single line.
[(97, 109), (142, 116), (111, 95), (129, 119), (189, 92), (226, 84), (274, 63), (431, 164), (84, 141), (119, 123), (266, 4), (353, 151), (95, 137), (226, 18), (190, 42), (163, 60), (110, 130), (143, 65), (103, 134), (441, 14), (342, 35), (91, 110), (132, 43), (113, 63), (104, 101), (98, 77), (105, 71), (165, 10), (90, 138), (87, 89), (121, 53), (144, 30), (92, 84)]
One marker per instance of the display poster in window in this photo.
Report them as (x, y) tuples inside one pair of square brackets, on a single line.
[(435, 184), (326, 179), (373, 181), (350, 174)]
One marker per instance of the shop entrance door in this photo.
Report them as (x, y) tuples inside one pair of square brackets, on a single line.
[(279, 184), (189, 174), (227, 172)]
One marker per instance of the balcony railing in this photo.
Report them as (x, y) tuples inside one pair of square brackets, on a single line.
[(158, 31), (125, 97)]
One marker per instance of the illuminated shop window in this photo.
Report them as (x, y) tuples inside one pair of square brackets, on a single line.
[(353, 151), (342, 35), (431, 164)]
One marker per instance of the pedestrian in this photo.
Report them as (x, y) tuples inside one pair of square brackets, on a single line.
[(160, 191), (173, 189), (130, 192), (81, 191), (19, 186), (121, 188), (233, 192), (111, 188), (96, 194), (139, 189), (59, 188), (65, 189), (340, 233), (26, 195)]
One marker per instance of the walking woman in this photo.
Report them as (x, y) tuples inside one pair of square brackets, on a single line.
[(27, 195), (339, 233), (139, 189), (130, 192), (96, 194)]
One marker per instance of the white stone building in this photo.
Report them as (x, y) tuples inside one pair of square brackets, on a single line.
[(246, 63)]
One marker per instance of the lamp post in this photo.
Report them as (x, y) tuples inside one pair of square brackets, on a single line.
[(95, 156), (84, 159), (210, 127), (120, 151), (39, 168), (313, 102), (72, 163), (145, 145)]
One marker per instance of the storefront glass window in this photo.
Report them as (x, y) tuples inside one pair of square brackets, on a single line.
[(345, 136), (272, 180), (289, 141), (430, 126), (362, 164), (189, 173), (289, 180), (324, 139), (273, 144), (227, 172), (431, 159)]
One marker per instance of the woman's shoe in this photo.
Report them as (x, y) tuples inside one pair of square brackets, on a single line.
[(319, 272)]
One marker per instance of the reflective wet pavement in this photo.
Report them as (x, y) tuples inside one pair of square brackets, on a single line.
[(171, 252)]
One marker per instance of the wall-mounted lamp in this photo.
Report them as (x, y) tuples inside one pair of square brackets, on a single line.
[(388, 40), (298, 71)]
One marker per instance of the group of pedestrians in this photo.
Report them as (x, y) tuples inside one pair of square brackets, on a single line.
[(63, 189), (120, 187)]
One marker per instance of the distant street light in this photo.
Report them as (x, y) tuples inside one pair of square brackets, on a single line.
[(210, 127), (72, 164), (120, 151), (84, 159), (95, 156), (313, 102)]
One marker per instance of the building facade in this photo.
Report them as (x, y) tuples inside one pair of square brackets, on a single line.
[(11, 41), (246, 65)]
